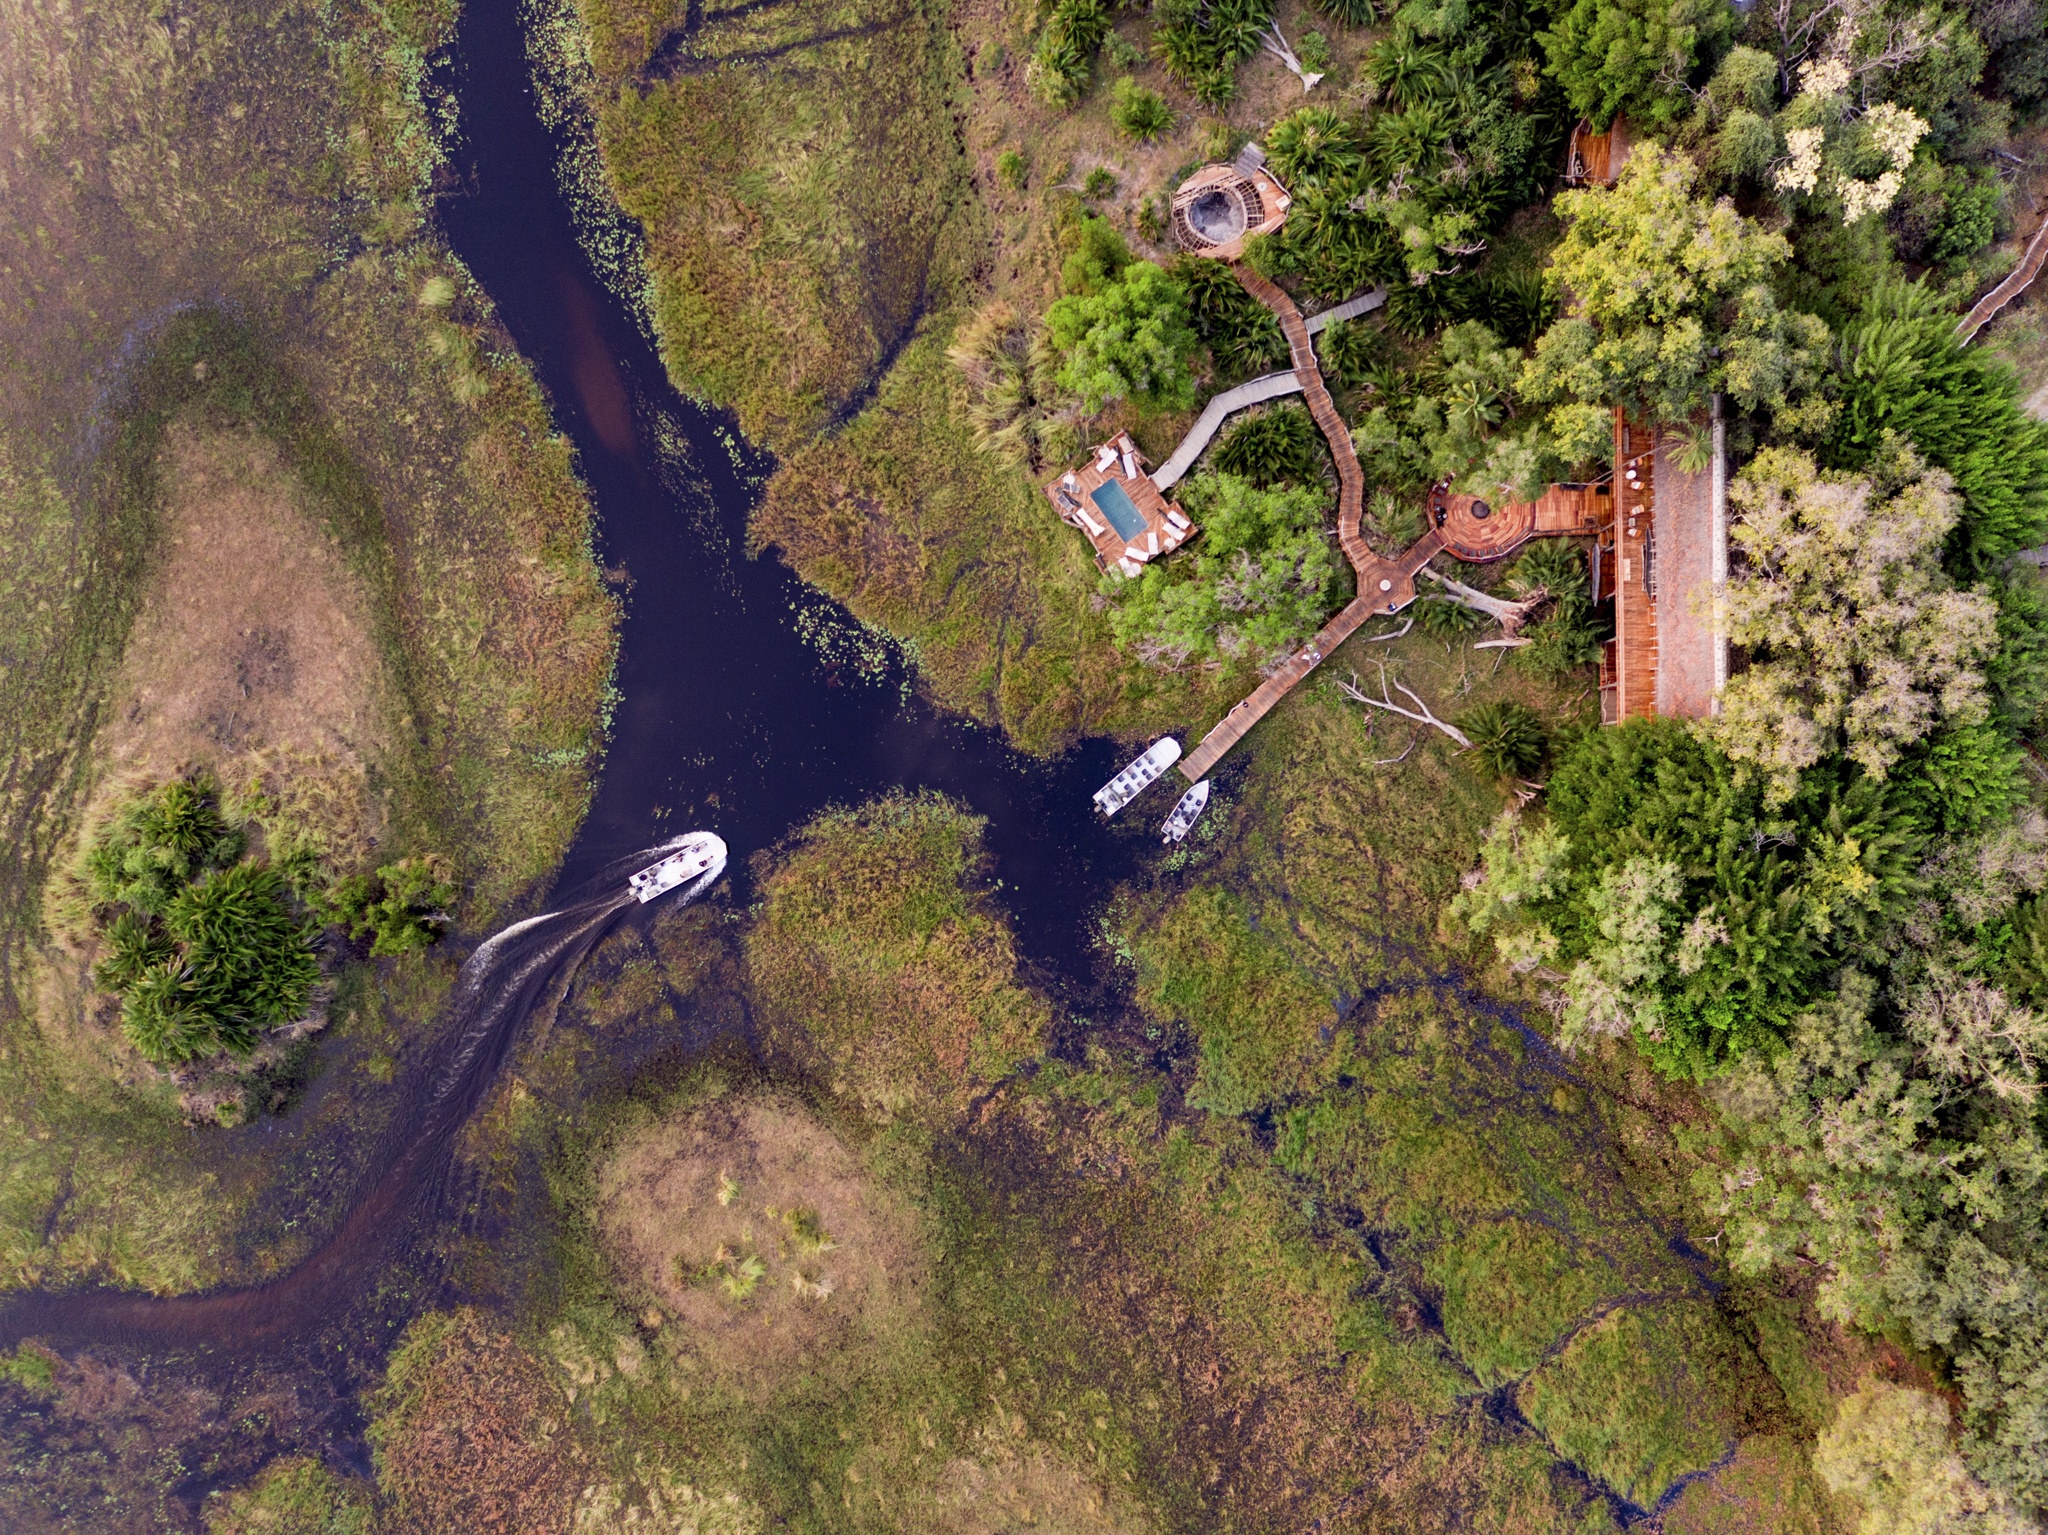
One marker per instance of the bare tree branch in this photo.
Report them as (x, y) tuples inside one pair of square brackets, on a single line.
[(1385, 701), (1413, 737), (1274, 42), (1374, 639)]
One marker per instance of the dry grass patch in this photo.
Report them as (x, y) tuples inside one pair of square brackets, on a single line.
[(1026, 1490), (252, 654), (759, 1232)]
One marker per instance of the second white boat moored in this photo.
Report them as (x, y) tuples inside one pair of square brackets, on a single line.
[(1187, 812)]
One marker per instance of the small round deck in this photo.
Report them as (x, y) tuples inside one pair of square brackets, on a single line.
[(1476, 530)]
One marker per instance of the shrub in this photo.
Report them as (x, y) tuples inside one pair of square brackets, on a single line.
[(1902, 371), (1201, 41), (1241, 333), (1313, 145), (1012, 170), (1350, 352), (1506, 736), (401, 908), (1558, 565), (1275, 447), (202, 946), (1129, 341), (1444, 618), (1137, 112), (1100, 183), (1350, 13), (1096, 258), (1064, 61), (1313, 49)]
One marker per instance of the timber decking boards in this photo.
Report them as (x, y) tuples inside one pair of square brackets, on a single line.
[(1635, 608), (1684, 574)]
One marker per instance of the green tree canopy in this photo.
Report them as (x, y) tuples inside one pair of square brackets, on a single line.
[(1258, 583), (1633, 56), (203, 947), (1903, 371), (1668, 299), (1862, 644), (1130, 340)]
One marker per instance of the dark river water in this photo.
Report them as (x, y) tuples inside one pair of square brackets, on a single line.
[(731, 719), (741, 712)]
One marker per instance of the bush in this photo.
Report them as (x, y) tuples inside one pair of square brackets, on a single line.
[(1012, 170), (1137, 112), (202, 945), (1275, 447), (1350, 352), (1242, 335), (1902, 371), (1129, 341), (1312, 146), (1201, 41), (1063, 63), (1100, 183), (401, 908), (1506, 736), (1350, 13)]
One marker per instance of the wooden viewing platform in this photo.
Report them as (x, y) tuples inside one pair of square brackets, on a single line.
[(1628, 664)]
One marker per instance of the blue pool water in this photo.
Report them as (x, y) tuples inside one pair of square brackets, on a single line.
[(1117, 506)]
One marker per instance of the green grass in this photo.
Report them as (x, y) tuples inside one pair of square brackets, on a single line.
[(880, 962), (1644, 1396)]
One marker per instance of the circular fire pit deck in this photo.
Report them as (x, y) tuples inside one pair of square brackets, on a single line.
[(1220, 206)]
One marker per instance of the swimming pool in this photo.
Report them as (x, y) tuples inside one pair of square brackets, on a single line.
[(1116, 504)]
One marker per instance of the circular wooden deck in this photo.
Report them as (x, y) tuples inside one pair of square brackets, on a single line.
[(1476, 530)]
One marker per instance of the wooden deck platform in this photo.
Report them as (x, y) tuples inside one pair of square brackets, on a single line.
[(1629, 679), (1477, 531), (1118, 466)]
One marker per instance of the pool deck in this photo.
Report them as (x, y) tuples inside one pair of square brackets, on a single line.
[(1119, 462)]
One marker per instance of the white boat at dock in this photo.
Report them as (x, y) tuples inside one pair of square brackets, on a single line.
[(697, 854), (1187, 812), (1127, 785)]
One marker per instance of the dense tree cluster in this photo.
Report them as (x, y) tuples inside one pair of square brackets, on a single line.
[(209, 945)]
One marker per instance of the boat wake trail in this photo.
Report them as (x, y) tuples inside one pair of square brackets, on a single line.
[(497, 989)]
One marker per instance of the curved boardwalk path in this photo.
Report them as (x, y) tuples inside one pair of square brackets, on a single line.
[(2015, 283), (1384, 586), (1221, 406)]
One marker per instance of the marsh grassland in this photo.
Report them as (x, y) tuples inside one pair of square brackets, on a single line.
[(281, 506), (1317, 1235)]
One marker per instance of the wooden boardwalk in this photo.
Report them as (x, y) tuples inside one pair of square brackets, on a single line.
[(1981, 312), (1384, 586)]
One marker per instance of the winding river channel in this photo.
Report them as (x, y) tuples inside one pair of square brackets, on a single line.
[(748, 703)]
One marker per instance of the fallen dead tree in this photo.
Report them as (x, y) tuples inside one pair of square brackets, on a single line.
[(1420, 714), (1510, 615)]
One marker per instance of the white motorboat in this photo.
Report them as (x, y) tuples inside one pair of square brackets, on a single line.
[(696, 854), (1126, 786), (1187, 812)]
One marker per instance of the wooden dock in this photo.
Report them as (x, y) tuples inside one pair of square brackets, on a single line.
[(1384, 586)]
